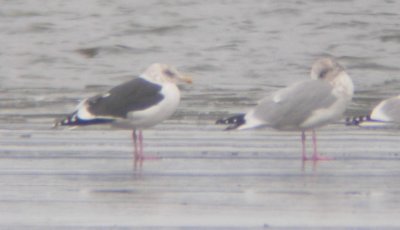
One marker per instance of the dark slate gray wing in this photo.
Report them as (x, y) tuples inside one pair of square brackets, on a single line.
[(137, 94), (291, 106)]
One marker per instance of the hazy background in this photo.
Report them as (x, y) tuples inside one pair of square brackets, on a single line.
[(54, 53)]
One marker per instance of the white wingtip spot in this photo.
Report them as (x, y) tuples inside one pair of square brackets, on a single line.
[(276, 98), (73, 119), (105, 95)]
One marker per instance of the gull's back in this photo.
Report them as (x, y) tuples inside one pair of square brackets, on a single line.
[(289, 108), (307, 104)]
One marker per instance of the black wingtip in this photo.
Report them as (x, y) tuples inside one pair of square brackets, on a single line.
[(356, 121), (233, 122), (74, 120)]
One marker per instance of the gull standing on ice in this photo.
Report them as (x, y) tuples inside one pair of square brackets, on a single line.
[(137, 104), (385, 114), (303, 106)]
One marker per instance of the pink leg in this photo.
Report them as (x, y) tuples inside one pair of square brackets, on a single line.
[(134, 138), (141, 155), (316, 156), (136, 154), (303, 142), (141, 150)]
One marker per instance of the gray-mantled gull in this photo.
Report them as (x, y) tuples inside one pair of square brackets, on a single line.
[(137, 104), (303, 106), (385, 114)]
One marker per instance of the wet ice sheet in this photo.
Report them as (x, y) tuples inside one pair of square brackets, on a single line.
[(55, 53), (230, 179)]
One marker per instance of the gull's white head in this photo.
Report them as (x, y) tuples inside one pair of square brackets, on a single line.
[(326, 69), (162, 73)]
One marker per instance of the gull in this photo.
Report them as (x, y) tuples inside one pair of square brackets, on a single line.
[(303, 106), (137, 104), (385, 114)]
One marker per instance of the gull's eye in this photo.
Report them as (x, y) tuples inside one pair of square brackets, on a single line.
[(169, 73), (323, 73)]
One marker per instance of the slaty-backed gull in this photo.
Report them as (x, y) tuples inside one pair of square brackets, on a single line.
[(137, 104)]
